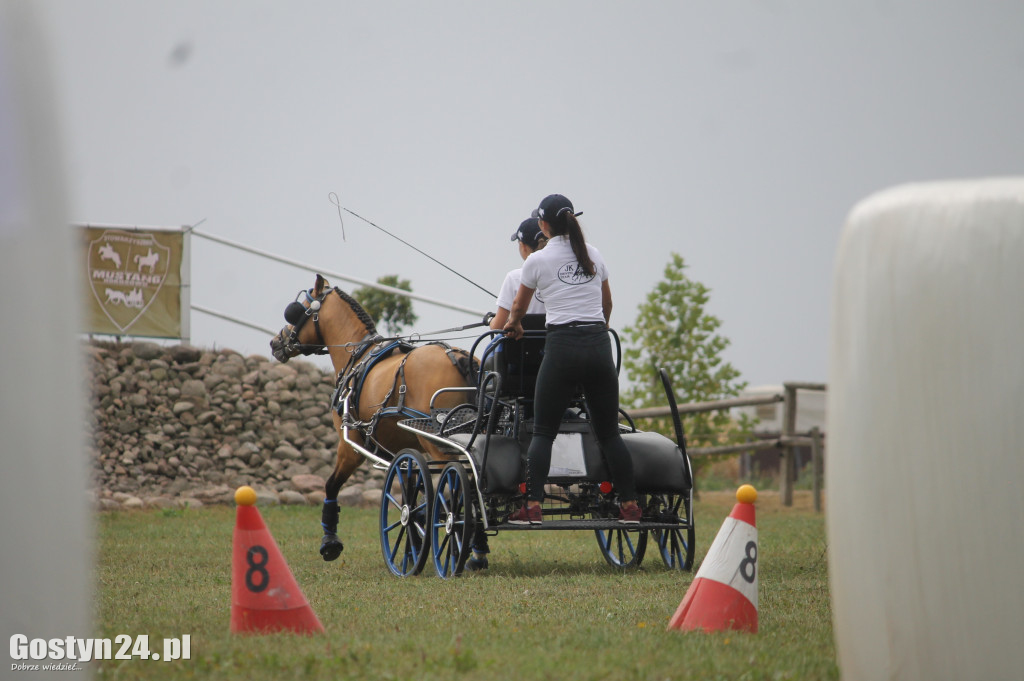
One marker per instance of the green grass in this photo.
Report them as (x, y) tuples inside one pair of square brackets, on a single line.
[(549, 607)]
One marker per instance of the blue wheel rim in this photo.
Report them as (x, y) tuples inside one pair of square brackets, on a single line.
[(676, 545), (449, 523), (403, 517), (621, 547)]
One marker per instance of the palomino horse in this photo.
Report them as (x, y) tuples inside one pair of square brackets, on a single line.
[(379, 383)]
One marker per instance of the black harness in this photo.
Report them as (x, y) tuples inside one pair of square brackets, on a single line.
[(298, 314), (349, 386), (365, 355)]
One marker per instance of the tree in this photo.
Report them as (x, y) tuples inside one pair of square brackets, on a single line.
[(391, 311), (673, 331)]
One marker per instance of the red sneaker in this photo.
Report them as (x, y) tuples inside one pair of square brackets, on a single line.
[(630, 515), (526, 515)]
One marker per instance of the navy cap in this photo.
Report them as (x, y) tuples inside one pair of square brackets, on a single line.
[(553, 206), (529, 233)]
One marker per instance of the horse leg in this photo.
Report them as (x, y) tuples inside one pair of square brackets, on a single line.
[(480, 548), (347, 462)]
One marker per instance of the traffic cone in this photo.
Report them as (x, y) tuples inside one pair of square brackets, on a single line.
[(723, 595), (264, 594)]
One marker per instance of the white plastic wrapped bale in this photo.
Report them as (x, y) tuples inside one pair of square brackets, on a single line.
[(925, 512)]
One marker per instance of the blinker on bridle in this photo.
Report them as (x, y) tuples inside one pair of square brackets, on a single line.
[(298, 314)]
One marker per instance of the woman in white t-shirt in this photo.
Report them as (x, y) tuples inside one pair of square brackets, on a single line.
[(530, 239), (572, 278)]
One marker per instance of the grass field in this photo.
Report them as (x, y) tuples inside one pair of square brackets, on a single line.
[(549, 607)]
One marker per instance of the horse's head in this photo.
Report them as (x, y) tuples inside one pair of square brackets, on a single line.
[(339, 318), (300, 337)]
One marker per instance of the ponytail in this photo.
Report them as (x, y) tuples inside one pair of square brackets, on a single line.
[(558, 212), (578, 243)]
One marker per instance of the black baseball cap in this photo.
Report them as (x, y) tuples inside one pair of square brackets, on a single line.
[(552, 206), (529, 232)]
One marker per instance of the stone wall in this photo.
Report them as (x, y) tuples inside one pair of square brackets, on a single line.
[(177, 426)]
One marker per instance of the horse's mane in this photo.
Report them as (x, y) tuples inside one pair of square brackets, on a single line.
[(360, 313)]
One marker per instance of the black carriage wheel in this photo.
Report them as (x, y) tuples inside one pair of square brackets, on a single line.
[(623, 548), (405, 513), (451, 521), (676, 545)]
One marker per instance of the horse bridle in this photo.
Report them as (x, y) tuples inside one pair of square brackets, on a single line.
[(298, 314)]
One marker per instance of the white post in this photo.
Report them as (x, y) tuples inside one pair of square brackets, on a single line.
[(185, 296), (45, 523)]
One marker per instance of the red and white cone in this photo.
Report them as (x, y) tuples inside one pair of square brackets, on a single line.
[(723, 595), (264, 594)]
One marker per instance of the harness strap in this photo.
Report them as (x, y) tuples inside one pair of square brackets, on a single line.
[(320, 348), (350, 383), (467, 365), (397, 384), (383, 411)]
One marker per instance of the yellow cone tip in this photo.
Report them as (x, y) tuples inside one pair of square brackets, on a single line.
[(245, 496), (746, 494)]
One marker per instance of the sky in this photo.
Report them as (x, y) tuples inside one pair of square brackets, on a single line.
[(738, 134)]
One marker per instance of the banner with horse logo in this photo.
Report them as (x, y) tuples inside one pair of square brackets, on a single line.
[(135, 279)]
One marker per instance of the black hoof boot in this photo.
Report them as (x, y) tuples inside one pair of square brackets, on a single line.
[(475, 564), (331, 547)]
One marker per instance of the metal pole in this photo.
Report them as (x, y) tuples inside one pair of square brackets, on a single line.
[(185, 292), (236, 320), (336, 275), (816, 466), (786, 469)]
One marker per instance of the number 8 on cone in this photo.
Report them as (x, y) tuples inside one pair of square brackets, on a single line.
[(264, 594), (723, 595)]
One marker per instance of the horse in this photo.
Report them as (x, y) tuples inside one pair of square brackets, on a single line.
[(149, 260), (380, 381), (107, 252)]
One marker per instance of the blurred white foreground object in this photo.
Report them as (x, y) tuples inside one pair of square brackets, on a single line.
[(45, 528), (925, 511)]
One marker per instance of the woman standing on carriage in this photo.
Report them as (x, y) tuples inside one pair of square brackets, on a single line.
[(571, 277), (530, 240)]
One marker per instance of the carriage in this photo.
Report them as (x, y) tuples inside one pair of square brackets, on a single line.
[(455, 454), (431, 508)]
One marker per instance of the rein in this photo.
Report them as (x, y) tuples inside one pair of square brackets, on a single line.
[(371, 338)]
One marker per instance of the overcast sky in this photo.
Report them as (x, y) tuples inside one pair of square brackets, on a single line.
[(737, 134)]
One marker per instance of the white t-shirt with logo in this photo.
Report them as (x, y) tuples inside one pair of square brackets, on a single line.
[(509, 288), (569, 294)]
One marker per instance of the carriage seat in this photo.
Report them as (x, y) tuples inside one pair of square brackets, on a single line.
[(658, 464), (518, 361)]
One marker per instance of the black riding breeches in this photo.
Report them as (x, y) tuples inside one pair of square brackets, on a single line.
[(577, 357)]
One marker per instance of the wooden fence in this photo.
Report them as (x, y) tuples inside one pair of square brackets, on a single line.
[(786, 442)]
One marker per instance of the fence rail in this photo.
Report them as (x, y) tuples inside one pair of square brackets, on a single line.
[(786, 443), (696, 407)]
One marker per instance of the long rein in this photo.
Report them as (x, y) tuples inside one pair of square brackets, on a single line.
[(358, 348)]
